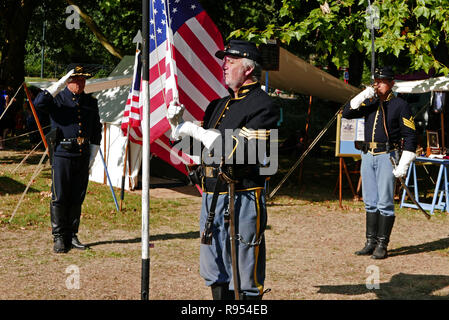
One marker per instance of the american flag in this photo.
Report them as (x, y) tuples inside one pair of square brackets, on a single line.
[(131, 116), (183, 66)]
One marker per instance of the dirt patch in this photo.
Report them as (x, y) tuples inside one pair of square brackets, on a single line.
[(310, 246), (309, 256)]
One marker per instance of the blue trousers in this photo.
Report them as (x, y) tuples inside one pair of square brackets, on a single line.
[(378, 183), (250, 223)]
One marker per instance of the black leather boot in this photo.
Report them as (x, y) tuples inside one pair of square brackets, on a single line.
[(372, 220), (74, 222), (59, 244), (220, 291), (58, 217), (76, 244), (383, 236)]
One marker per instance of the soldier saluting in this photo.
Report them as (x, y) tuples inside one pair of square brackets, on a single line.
[(389, 127), (74, 142), (247, 114)]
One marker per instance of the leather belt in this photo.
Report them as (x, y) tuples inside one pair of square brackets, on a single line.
[(78, 140), (374, 147)]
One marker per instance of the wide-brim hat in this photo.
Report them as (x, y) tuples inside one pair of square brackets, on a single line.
[(385, 72), (80, 70), (240, 48)]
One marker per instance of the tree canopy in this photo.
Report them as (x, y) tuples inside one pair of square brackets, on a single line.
[(412, 35)]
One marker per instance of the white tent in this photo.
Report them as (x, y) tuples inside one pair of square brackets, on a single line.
[(422, 86), (112, 98)]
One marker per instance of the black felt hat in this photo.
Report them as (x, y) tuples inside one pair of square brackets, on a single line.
[(240, 48), (385, 72), (80, 70)]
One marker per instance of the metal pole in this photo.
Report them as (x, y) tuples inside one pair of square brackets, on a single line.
[(145, 276), (109, 179), (372, 41)]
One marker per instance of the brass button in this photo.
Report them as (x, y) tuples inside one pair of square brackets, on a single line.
[(80, 131), (80, 124)]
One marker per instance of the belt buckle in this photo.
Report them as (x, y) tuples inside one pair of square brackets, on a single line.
[(80, 141), (208, 172)]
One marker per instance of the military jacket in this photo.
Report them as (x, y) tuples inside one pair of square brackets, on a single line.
[(76, 115), (251, 115), (387, 121)]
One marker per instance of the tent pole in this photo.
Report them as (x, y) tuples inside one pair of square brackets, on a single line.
[(104, 147), (122, 191), (145, 276), (443, 144), (306, 137)]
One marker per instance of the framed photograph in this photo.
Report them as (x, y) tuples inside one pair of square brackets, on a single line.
[(432, 139), (433, 144), (348, 131)]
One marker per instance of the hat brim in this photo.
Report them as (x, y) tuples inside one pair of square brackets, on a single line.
[(383, 77), (220, 54), (85, 75)]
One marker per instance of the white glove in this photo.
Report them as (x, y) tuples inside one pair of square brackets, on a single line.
[(402, 168), (174, 117), (207, 137), (93, 148), (56, 87), (362, 96)]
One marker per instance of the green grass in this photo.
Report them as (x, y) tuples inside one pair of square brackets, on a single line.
[(317, 187)]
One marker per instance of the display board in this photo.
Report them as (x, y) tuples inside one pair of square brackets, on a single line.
[(348, 131)]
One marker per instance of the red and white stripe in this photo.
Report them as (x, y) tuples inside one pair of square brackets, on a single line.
[(189, 69)]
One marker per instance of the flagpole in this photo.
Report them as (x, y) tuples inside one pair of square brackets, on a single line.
[(145, 276)]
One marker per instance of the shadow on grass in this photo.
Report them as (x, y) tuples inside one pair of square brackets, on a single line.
[(11, 186), (165, 236), (32, 159), (436, 245), (401, 286)]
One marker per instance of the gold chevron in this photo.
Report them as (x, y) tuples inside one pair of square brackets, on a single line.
[(409, 123), (260, 134)]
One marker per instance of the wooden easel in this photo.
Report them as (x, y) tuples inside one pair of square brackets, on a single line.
[(344, 167)]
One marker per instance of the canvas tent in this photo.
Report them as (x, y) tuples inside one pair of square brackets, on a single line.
[(111, 104), (294, 75), (422, 86)]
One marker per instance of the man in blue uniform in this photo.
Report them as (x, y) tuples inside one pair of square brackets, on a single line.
[(75, 140), (247, 114), (389, 127)]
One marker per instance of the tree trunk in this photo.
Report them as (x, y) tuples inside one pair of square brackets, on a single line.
[(15, 17), (356, 67)]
